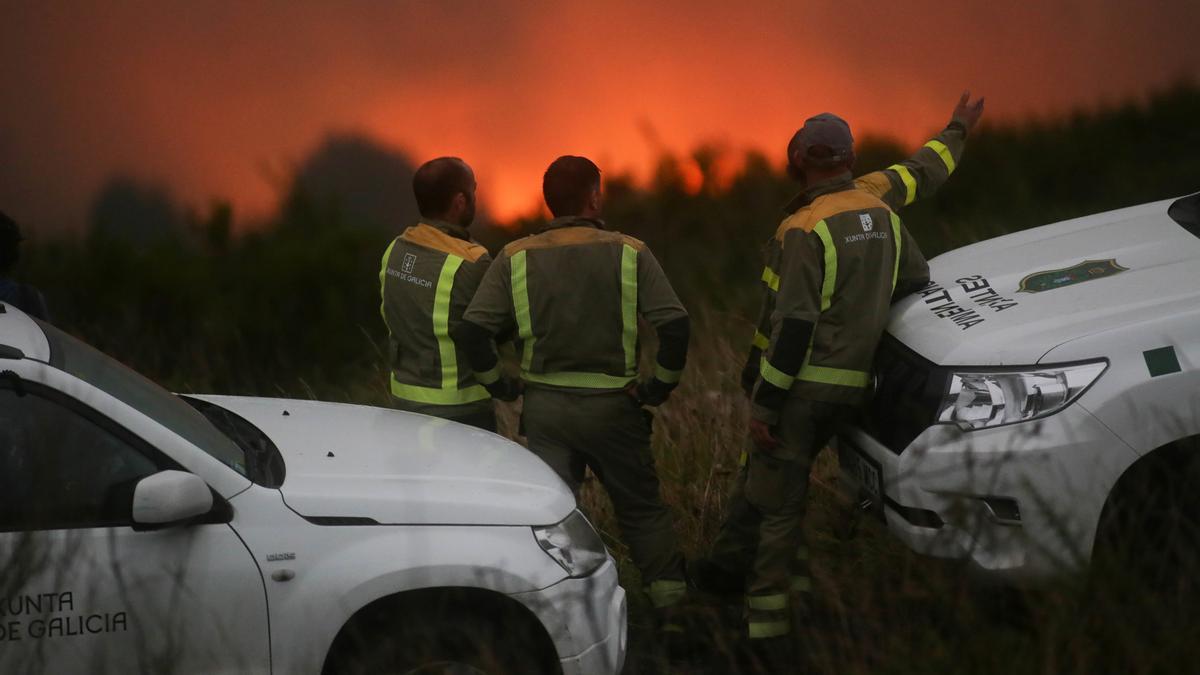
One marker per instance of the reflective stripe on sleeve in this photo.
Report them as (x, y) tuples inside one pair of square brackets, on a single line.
[(629, 298), (667, 375), (771, 279), (441, 321), (490, 376), (910, 183), (775, 376), (416, 394), (760, 341), (943, 152), (831, 262), (896, 263), (520, 291)]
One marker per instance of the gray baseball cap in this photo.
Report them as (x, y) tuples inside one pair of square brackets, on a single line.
[(827, 131)]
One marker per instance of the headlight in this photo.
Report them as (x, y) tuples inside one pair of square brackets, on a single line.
[(574, 544), (977, 400)]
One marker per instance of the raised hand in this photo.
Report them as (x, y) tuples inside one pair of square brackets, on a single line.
[(967, 112)]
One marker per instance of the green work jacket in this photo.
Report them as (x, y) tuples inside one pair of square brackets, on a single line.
[(428, 277), (574, 293), (837, 260)]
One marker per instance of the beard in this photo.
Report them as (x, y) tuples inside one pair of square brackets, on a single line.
[(468, 215)]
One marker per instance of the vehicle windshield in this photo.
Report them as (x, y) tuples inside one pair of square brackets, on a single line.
[(264, 463), (129, 387)]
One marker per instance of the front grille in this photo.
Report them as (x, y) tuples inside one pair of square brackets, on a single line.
[(908, 390)]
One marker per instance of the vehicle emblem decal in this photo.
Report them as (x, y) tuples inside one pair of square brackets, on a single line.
[(280, 557), (1068, 276)]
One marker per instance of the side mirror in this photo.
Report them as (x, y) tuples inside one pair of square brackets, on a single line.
[(170, 497)]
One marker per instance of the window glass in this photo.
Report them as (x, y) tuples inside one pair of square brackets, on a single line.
[(59, 469), (139, 393)]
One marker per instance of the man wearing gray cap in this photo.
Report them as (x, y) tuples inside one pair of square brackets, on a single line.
[(838, 260), (22, 296)]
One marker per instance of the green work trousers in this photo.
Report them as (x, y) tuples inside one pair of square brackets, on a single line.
[(480, 414), (610, 433), (762, 538)]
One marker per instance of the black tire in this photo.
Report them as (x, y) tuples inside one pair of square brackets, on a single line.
[(443, 636)]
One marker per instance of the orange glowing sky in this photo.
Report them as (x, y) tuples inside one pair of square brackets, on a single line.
[(213, 98)]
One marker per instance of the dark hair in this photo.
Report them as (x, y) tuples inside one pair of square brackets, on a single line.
[(436, 183), (568, 183), (10, 239)]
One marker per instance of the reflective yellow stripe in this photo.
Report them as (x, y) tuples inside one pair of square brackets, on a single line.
[(416, 394), (580, 380), (629, 293), (760, 341), (441, 321), (910, 183), (831, 263), (775, 376), (666, 592), (943, 152), (838, 376), (899, 242), (743, 458), (490, 376), (801, 584), (768, 629), (767, 603), (770, 278), (520, 291), (382, 282), (667, 375)]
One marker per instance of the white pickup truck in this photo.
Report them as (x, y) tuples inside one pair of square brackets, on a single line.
[(146, 532), (1041, 395)]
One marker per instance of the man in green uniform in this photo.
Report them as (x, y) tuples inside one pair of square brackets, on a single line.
[(838, 260), (429, 275), (574, 293)]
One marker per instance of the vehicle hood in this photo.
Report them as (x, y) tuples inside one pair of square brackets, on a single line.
[(1012, 299), (349, 461)]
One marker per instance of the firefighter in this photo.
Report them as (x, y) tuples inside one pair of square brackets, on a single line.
[(574, 292), (22, 296), (428, 276), (838, 260)]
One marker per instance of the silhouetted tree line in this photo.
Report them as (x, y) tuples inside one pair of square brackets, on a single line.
[(292, 307)]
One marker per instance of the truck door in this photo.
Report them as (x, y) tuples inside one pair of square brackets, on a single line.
[(82, 590)]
